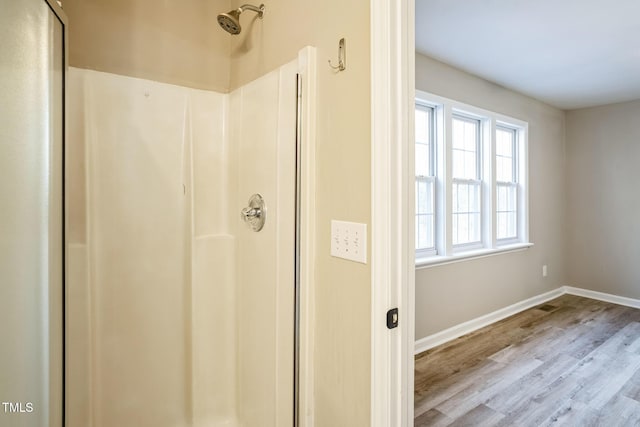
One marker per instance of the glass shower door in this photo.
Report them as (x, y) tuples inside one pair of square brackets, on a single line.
[(32, 68)]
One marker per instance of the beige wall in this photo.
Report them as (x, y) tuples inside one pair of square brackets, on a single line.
[(343, 295), (180, 43), (265, 44), (176, 42), (602, 198), (343, 288), (451, 294)]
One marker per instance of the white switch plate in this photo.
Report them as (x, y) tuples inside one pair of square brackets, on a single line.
[(349, 241)]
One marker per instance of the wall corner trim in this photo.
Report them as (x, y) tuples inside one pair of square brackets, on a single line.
[(472, 325)]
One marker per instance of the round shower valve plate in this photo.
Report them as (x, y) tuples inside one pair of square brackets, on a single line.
[(255, 214)]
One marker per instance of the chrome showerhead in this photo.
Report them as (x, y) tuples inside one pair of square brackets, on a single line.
[(230, 21)]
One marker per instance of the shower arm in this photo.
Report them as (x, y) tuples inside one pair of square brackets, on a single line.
[(258, 10)]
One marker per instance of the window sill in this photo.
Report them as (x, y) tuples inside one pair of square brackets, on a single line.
[(468, 255)]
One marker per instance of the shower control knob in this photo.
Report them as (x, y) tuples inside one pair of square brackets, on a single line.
[(255, 214), (251, 213)]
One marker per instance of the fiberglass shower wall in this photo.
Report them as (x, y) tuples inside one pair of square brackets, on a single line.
[(178, 314)]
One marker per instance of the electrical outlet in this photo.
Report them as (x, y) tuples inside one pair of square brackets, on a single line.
[(544, 270), (349, 241)]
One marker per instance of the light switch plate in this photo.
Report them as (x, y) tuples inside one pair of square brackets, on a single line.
[(349, 241)]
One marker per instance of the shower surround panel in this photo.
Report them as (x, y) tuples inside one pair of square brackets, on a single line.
[(178, 314)]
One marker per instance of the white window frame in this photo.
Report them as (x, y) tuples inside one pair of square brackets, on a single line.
[(467, 246), (515, 183), (444, 111), (431, 251), (463, 247)]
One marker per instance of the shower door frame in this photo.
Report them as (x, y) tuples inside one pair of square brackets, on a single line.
[(305, 237), (59, 13), (56, 321)]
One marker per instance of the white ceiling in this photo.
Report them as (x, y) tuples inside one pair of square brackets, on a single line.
[(568, 53)]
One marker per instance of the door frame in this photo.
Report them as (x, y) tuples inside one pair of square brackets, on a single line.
[(392, 234)]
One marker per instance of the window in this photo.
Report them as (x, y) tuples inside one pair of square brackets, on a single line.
[(466, 182), (425, 180), (506, 184), (470, 181)]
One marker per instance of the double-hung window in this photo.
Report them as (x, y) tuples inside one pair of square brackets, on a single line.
[(425, 180), (466, 183), (506, 184), (470, 181)]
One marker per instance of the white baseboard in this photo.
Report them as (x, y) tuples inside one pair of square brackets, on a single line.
[(457, 331), (615, 299), (454, 332)]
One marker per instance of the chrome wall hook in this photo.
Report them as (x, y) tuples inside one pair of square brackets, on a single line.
[(342, 56)]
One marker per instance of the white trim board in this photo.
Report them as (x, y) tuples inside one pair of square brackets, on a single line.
[(457, 331), (392, 248), (601, 296)]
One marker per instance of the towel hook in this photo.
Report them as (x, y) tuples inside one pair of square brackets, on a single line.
[(342, 56)]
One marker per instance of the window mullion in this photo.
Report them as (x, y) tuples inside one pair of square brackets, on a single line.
[(447, 205)]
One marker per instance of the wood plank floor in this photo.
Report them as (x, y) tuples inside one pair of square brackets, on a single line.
[(570, 362)]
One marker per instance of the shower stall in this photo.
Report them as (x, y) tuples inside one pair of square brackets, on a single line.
[(152, 258), (181, 310)]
